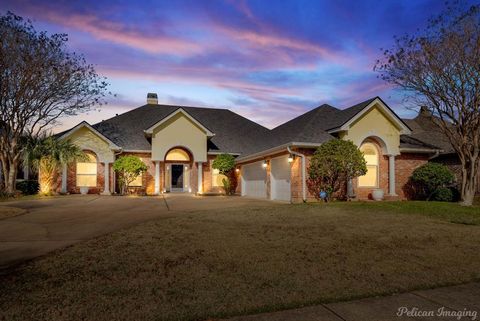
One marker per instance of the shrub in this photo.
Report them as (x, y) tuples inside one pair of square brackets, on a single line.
[(332, 165), (430, 177), (29, 187), (442, 194), (225, 163), (128, 169)]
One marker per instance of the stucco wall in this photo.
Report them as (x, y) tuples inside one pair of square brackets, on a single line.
[(179, 131), (375, 124), (88, 140)]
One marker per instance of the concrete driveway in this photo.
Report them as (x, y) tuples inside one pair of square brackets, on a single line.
[(52, 223)]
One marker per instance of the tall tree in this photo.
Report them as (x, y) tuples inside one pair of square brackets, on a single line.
[(439, 68), (40, 81)]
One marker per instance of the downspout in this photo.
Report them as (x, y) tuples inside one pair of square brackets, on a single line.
[(304, 180)]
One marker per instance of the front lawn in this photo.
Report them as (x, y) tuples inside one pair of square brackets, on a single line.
[(199, 265)]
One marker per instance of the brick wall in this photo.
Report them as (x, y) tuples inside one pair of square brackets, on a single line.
[(72, 178), (405, 164)]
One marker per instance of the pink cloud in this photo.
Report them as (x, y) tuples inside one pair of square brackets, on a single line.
[(116, 33)]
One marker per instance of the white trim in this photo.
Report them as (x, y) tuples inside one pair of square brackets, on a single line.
[(218, 153), (404, 129), (275, 149), (137, 151), (149, 130), (87, 125)]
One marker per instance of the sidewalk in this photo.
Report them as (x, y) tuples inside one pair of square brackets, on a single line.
[(460, 302)]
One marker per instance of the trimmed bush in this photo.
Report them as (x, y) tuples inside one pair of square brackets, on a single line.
[(30, 187), (430, 177), (442, 194)]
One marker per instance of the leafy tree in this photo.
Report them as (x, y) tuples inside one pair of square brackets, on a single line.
[(332, 165), (48, 155), (439, 69), (225, 163), (128, 169), (430, 177), (40, 81)]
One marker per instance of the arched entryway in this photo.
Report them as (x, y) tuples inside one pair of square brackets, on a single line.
[(178, 165)]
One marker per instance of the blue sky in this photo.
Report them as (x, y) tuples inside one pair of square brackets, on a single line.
[(266, 60)]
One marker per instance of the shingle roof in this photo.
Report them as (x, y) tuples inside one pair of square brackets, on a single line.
[(127, 130), (425, 131), (236, 134)]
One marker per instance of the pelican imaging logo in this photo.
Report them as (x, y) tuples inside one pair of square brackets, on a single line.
[(415, 312)]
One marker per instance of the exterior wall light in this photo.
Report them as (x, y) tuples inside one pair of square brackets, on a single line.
[(265, 164), (237, 170), (291, 158)]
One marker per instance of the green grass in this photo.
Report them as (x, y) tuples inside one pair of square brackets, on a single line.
[(451, 212), (199, 265)]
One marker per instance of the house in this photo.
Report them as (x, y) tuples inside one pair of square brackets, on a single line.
[(179, 143)]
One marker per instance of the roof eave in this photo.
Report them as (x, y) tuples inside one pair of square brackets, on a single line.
[(274, 150)]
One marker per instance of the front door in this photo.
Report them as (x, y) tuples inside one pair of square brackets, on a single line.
[(177, 178)]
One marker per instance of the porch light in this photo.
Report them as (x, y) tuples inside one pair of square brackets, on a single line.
[(237, 170), (290, 158), (168, 167), (265, 164), (186, 167)]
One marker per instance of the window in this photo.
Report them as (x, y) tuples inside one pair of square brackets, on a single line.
[(87, 172), (137, 182), (177, 154), (370, 179), (217, 178)]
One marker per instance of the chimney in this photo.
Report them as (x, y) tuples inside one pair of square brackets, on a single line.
[(152, 99), (425, 112)]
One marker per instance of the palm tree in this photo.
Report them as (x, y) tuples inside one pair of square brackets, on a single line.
[(48, 154)]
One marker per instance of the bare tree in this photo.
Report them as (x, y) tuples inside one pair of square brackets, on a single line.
[(440, 69), (40, 81)]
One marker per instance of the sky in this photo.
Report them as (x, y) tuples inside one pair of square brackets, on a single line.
[(268, 60)]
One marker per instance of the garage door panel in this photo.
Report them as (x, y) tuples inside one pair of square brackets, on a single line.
[(253, 180), (280, 179)]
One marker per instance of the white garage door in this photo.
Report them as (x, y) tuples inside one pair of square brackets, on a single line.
[(253, 180), (280, 179)]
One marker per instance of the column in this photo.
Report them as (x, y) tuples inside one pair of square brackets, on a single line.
[(157, 178), (391, 175), (26, 172), (64, 179), (200, 178), (106, 183)]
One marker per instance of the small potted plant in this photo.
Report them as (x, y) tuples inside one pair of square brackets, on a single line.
[(84, 190), (377, 194)]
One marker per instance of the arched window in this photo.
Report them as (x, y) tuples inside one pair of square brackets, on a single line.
[(87, 172), (370, 153), (177, 154)]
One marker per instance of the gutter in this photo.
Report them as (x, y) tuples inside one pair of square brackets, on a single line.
[(421, 150), (274, 149), (304, 180)]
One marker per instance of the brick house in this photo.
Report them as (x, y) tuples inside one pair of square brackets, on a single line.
[(178, 145)]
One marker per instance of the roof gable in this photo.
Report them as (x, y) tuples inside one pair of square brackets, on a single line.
[(150, 130), (354, 113), (85, 124)]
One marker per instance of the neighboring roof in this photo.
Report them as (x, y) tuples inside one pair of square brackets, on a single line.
[(127, 130), (425, 130)]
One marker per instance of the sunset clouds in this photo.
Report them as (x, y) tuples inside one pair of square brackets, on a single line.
[(269, 61)]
